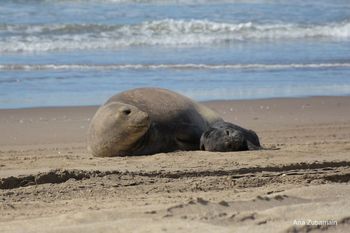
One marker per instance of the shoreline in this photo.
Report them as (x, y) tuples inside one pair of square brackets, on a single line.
[(202, 101)]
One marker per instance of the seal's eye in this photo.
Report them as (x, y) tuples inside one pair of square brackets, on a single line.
[(126, 111)]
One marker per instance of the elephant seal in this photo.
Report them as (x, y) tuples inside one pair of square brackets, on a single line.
[(224, 136), (147, 121)]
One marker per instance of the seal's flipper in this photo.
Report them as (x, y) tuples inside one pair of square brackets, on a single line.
[(252, 146), (188, 136)]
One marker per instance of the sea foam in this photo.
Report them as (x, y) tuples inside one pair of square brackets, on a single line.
[(38, 67), (169, 32)]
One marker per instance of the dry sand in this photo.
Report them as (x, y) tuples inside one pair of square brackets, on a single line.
[(49, 183)]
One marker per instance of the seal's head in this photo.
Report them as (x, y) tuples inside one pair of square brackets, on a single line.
[(115, 128), (221, 139)]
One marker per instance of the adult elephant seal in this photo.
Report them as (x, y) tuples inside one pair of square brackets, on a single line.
[(147, 121), (224, 136)]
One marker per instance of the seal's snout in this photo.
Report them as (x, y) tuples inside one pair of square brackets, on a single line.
[(144, 118), (135, 117)]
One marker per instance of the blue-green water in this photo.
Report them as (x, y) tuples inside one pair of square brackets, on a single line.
[(80, 52)]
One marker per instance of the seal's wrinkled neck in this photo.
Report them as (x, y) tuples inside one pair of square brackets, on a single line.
[(141, 146)]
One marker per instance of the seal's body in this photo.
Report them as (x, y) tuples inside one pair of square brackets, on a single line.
[(224, 136), (146, 121)]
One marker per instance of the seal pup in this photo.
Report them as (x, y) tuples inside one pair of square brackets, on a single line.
[(146, 121), (224, 136)]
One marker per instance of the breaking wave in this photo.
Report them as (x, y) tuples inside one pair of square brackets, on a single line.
[(67, 37), (38, 67)]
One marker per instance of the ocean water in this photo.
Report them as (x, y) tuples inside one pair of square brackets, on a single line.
[(80, 52)]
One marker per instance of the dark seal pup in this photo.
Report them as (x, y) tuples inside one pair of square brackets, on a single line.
[(224, 136), (147, 121)]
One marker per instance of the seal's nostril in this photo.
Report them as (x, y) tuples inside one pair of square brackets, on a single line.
[(126, 111), (227, 132)]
